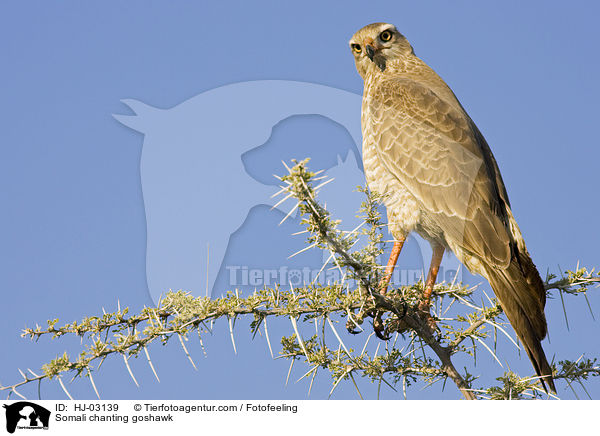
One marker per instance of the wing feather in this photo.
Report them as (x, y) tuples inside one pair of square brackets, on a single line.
[(432, 148)]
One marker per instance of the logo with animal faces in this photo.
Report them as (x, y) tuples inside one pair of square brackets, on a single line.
[(207, 169), (26, 415)]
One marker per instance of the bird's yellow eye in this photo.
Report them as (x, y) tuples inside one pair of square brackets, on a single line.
[(385, 36), (356, 48)]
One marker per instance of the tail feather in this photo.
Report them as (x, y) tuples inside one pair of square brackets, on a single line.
[(522, 296)]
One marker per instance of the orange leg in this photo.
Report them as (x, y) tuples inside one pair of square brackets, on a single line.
[(389, 269), (434, 267)]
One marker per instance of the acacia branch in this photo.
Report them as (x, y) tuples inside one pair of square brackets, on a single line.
[(179, 314)]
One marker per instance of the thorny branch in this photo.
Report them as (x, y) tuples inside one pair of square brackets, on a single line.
[(355, 297)]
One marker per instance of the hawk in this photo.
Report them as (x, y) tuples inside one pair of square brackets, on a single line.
[(439, 178)]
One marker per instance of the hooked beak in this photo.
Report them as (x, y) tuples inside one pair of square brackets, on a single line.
[(379, 60), (370, 51)]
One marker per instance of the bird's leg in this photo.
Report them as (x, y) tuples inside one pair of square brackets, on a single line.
[(385, 281), (389, 269), (434, 267)]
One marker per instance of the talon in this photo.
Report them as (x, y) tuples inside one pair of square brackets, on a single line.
[(350, 327), (381, 336), (352, 331), (371, 313), (379, 328)]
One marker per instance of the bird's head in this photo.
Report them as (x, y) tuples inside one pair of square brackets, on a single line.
[(376, 46)]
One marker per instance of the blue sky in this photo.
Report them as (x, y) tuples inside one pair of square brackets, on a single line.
[(74, 224)]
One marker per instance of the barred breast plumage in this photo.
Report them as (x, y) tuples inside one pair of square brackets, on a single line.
[(405, 212)]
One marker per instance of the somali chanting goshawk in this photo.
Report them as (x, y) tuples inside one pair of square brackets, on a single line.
[(425, 155)]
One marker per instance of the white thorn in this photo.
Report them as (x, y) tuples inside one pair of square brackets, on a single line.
[(186, 351), (202, 344), (17, 392), (289, 371), (489, 349), (150, 363), (289, 213), (129, 370), (298, 337), (503, 331), (366, 343), (62, 385), (338, 336), (268, 340), (93, 384), (281, 201), (324, 183), (231, 334), (303, 250), (282, 190), (311, 382)]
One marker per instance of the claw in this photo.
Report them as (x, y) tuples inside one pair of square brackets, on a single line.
[(379, 328), (350, 327)]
